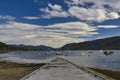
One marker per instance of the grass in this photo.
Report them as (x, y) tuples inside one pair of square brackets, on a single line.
[(15, 71), (113, 74)]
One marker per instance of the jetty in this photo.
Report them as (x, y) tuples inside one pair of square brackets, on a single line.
[(61, 69)]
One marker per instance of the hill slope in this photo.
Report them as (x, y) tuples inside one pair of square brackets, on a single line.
[(45, 48), (41, 47), (107, 43), (6, 47)]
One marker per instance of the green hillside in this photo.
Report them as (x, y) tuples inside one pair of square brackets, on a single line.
[(5, 47), (107, 43)]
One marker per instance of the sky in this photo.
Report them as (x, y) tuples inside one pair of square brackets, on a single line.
[(58, 22)]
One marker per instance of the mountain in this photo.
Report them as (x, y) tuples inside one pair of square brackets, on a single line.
[(107, 43), (46, 48), (28, 47), (41, 47), (3, 46), (6, 47), (13, 47)]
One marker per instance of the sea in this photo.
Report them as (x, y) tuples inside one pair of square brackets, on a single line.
[(90, 58)]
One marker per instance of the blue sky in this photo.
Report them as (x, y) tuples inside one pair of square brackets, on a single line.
[(57, 22)]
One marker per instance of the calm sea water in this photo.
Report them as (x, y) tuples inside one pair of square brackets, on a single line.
[(83, 58)]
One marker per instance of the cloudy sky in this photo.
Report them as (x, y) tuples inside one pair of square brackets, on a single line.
[(57, 22)]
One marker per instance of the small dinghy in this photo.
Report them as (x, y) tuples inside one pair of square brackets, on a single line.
[(108, 52)]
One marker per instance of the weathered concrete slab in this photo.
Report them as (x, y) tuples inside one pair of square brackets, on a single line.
[(59, 69)]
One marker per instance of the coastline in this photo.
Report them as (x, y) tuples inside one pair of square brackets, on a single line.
[(15, 71)]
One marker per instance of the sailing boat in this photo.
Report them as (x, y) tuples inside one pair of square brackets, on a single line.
[(101, 51)]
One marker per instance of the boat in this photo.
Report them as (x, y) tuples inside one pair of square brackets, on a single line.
[(108, 52), (101, 51)]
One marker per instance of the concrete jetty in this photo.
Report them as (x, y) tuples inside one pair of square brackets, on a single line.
[(60, 69)]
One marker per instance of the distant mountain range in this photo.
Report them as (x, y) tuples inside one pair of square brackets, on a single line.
[(6, 47), (41, 47), (107, 43), (45, 48)]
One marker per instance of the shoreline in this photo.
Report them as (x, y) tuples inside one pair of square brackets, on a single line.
[(15, 71), (111, 74)]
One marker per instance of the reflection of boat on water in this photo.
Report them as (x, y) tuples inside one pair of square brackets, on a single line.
[(47, 53), (90, 52), (58, 53), (101, 51), (83, 54), (108, 52)]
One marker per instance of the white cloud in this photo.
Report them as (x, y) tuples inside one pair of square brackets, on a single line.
[(17, 26), (114, 4), (107, 26), (96, 13), (7, 17), (62, 33), (53, 11), (113, 15), (54, 35), (98, 3), (92, 14), (55, 7), (31, 17)]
